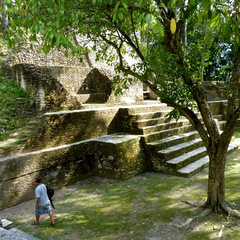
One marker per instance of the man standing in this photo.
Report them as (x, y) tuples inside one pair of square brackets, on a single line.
[(42, 201)]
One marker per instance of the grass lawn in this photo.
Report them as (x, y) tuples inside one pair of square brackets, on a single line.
[(145, 207)]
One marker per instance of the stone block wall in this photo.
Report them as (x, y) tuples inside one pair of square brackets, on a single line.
[(57, 167), (121, 156), (62, 88), (219, 107), (215, 91), (54, 69), (23, 54), (67, 164), (59, 128), (47, 92)]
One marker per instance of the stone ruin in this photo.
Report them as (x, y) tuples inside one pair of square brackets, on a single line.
[(60, 83), (85, 130), (77, 106)]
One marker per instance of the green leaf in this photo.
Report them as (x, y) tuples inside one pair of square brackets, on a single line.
[(125, 5), (226, 31), (120, 15), (114, 16), (199, 16), (57, 24), (237, 39), (206, 5), (117, 5), (46, 48), (192, 2), (208, 40), (148, 18), (58, 39), (158, 29), (94, 1), (66, 53)]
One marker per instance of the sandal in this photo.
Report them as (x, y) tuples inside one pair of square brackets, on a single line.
[(34, 223)]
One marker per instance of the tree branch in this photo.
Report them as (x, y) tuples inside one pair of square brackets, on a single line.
[(234, 83), (136, 39)]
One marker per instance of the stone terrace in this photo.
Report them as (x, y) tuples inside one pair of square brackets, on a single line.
[(115, 142)]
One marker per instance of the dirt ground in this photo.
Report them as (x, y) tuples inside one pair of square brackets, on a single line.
[(214, 226)]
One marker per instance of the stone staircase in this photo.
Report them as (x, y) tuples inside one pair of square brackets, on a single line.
[(172, 147)]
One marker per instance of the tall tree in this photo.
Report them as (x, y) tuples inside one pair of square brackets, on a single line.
[(171, 58)]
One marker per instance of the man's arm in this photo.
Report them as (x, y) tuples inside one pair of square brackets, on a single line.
[(37, 202)]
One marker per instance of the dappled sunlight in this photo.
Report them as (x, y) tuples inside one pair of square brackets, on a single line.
[(233, 195), (112, 208), (139, 207)]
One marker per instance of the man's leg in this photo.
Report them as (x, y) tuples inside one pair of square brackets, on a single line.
[(37, 220), (52, 219)]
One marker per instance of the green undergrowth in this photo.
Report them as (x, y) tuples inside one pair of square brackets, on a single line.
[(145, 207), (12, 99), (15, 113)]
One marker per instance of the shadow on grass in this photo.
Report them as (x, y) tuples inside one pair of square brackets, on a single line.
[(144, 207)]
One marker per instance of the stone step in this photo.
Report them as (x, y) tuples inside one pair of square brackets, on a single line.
[(6, 224), (149, 115), (183, 160), (7, 232), (172, 140), (15, 235), (179, 149), (198, 165), (147, 108), (152, 121), (22, 235), (194, 167), (163, 126), (151, 137)]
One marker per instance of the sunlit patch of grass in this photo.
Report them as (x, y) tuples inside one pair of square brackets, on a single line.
[(237, 132), (138, 207)]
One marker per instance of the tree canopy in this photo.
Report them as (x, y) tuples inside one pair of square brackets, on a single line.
[(175, 44)]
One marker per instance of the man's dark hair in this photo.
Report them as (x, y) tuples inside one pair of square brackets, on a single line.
[(38, 180)]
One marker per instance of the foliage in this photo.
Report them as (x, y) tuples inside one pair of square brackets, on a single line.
[(13, 99), (122, 29)]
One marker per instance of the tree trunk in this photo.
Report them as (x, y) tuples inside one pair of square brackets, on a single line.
[(216, 180), (4, 16)]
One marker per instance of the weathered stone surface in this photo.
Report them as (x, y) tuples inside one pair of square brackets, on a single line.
[(62, 88), (54, 58), (57, 82), (67, 164), (66, 127), (57, 166), (218, 107), (119, 156), (46, 90), (215, 91)]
